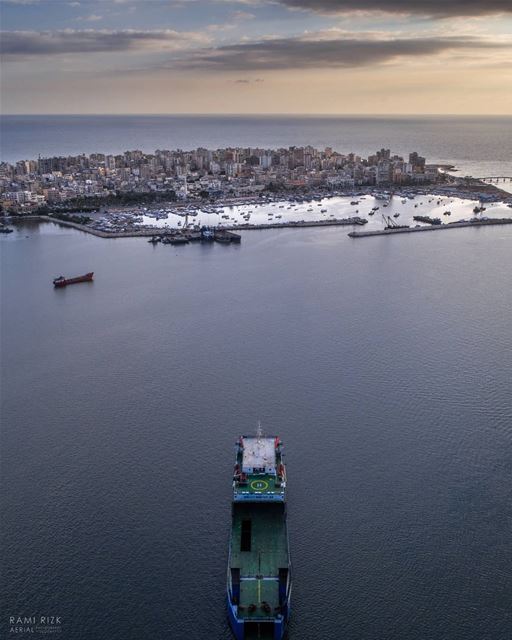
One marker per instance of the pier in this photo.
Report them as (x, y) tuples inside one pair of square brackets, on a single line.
[(332, 222), (222, 233), (439, 227), (227, 234)]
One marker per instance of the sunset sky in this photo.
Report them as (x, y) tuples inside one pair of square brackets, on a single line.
[(257, 56)]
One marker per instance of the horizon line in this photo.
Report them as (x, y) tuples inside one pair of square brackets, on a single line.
[(264, 115)]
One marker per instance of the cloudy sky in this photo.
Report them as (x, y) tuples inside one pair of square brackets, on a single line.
[(256, 56)]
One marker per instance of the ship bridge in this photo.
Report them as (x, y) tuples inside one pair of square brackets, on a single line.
[(259, 455), (259, 474)]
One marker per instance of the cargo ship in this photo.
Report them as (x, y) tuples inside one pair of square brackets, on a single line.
[(259, 569), (61, 281)]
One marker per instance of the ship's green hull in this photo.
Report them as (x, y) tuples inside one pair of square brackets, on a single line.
[(259, 581)]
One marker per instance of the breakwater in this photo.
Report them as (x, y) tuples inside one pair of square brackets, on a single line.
[(440, 227), (227, 230), (152, 231)]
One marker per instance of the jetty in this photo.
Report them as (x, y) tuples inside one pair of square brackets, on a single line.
[(490, 222), (227, 234), (223, 233), (331, 222)]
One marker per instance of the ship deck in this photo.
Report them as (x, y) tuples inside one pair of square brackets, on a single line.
[(260, 485), (259, 566), (256, 592)]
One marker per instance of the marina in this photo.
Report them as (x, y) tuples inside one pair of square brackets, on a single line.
[(224, 220)]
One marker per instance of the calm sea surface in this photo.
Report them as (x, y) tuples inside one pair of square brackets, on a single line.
[(479, 146), (385, 364)]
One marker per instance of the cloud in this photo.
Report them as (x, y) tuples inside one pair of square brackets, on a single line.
[(329, 49), (91, 18), (325, 52), (228, 26), (242, 15), (19, 2), (434, 8), (22, 44)]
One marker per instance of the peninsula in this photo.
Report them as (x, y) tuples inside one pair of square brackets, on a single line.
[(132, 193), (81, 183)]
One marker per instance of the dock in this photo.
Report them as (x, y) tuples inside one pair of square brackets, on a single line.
[(227, 234), (223, 234), (439, 227), (287, 224)]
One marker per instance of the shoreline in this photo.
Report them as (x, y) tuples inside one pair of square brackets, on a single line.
[(128, 221)]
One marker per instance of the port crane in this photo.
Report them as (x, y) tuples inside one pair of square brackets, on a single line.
[(479, 208), (389, 223)]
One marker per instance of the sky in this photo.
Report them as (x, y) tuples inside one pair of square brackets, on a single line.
[(256, 56)]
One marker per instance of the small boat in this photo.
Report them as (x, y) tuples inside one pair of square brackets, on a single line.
[(5, 230), (179, 240), (61, 281)]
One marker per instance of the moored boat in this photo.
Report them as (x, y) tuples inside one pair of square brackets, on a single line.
[(61, 281), (427, 219), (259, 568), (179, 240)]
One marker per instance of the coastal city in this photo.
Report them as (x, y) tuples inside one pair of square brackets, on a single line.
[(204, 193), (203, 173)]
